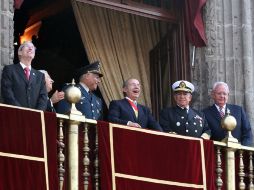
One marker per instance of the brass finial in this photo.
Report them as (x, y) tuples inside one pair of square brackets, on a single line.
[(73, 95), (229, 123), (73, 82)]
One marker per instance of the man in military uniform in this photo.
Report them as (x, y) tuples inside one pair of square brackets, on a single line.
[(182, 119), (90, 105)]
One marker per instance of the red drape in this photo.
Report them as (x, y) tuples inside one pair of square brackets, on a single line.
[(195, 30), (22, 149), (140, 159)]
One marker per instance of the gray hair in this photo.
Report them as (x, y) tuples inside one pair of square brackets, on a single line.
[(125, 83), (219, 83), (24, 44), (44, 72)]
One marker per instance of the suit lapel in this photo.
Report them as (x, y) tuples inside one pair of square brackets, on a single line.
[(228, 108), (191, 114), (32, 76), (141, 114), (215, 112), (130, 109), (20, 72)]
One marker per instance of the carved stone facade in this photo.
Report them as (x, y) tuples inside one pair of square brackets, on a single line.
[(6, 34), (228, 56)]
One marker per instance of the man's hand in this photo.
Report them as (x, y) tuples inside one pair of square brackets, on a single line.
[(132, 124), (57, 96)]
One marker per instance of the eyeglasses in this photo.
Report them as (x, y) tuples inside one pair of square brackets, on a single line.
[(221, 93)]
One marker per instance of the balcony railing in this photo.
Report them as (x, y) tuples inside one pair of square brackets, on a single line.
[(234, 163), (76, 144)]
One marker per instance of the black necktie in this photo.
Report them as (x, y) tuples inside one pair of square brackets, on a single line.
[(183, 111)]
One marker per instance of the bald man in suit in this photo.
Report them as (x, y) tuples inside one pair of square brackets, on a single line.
[(128, 112)]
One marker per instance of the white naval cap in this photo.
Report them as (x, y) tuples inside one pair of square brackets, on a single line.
[(183, 85)]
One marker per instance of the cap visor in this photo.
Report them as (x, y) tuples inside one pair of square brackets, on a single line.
[(183, 90)]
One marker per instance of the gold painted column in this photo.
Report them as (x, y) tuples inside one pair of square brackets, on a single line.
[(229, 123), (230, 168), (73, 95), (73, 155)]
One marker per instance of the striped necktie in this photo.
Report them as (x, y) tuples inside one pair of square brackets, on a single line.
[(222, 114)]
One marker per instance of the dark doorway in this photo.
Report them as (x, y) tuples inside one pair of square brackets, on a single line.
[(59, 47), (60, 50)]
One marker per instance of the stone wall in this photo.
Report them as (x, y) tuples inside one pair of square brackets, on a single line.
[(6, 33), (228, 56)]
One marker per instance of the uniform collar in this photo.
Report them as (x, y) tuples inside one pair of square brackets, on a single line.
[(187, 108), (84, 86)]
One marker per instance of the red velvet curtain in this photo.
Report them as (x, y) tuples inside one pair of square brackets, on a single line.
[(21, 148), (144, 160), (195, 30)]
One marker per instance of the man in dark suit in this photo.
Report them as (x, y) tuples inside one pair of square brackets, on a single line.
[(182, 119), (89, 105), (128, 112), (216, 112), (21, 85), (56, 96)]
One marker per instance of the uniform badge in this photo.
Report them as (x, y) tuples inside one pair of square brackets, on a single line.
[(177, 123), (182, 85), (199, 118)]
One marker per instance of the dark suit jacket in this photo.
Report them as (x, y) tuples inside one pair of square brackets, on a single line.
[(242, 131), (174, 119), (120, 111), (50, 106), (17, 90), (89, 105)]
